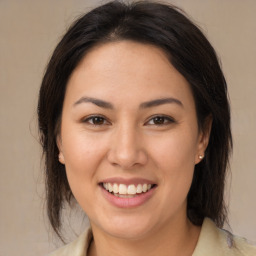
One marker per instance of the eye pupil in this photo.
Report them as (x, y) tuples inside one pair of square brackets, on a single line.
[(159, 120), (98, 120)]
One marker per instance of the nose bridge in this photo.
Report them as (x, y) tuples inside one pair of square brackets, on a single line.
[(126, 140), (126, 148)]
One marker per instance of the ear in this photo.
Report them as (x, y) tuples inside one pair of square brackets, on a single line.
[(59, 145), (203, 139)]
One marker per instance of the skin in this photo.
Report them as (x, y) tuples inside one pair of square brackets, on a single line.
[(127, 142)]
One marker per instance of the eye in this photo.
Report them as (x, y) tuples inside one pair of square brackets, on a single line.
[(160, 120), (96, 120)]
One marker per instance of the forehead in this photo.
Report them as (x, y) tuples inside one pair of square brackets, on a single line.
[(127, 68)]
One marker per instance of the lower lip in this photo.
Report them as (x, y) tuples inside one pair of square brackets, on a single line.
[(136, 201)]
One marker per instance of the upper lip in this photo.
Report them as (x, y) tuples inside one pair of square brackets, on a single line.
[(125, 181)]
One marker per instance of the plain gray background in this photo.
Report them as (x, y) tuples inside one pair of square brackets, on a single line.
[(29, 33)]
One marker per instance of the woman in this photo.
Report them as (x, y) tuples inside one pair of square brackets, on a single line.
[(135, 125)]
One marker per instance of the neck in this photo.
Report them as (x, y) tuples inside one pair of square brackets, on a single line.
[(179, 238)]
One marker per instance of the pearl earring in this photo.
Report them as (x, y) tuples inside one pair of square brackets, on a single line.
[(201, 157), (60, 158)]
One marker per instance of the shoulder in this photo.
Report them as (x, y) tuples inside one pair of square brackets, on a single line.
[(77, 248), (214, 241)]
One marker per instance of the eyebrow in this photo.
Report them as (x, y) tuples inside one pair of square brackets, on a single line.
[(147, 104), (97, 102), (158, 102)]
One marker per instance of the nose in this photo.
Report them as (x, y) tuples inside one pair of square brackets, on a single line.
[(126, 149)]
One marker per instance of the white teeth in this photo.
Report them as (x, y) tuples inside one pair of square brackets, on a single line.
[(131, 190), (144, 187), (124, 190), (124, 196), (115, 188), (139, 189), (110, 188)]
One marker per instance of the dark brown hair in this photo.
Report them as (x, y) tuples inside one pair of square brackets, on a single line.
[(189, 52)]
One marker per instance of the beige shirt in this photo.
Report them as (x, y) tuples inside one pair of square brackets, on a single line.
[(212, 242)]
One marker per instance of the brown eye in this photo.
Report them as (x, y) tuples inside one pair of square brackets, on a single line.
[(160, 120), (96, 120)]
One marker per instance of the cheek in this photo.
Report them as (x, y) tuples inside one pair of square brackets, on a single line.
[(81, 149), (175, 151), (174, 158), (83, 155)]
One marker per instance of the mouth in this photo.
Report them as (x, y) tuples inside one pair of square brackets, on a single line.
[(127, 190)]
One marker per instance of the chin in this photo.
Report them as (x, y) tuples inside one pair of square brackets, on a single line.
[(129, 227), (131, 233)]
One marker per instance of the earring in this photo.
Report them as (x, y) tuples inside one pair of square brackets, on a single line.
[(61, 159), (201, 157)]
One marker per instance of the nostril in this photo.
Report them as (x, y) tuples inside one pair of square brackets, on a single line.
[(127, 159)]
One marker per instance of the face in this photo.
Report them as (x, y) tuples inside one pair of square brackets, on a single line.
[(129, 139)]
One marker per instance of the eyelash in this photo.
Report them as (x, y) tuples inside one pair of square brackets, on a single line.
[(103, 121), (166, 120), (91, 118)]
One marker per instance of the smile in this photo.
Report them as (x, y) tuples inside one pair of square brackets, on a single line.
[(126, 191)]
